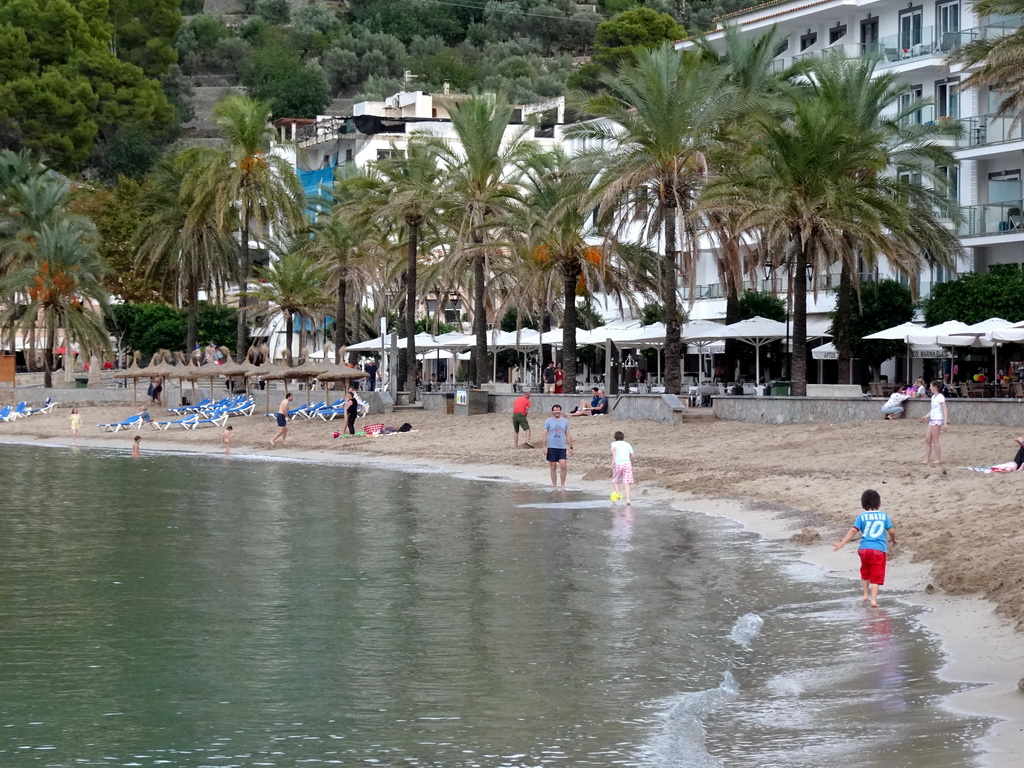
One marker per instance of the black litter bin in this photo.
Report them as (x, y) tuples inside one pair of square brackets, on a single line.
[(449, 402)]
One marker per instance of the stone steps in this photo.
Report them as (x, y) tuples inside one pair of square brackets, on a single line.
[(697, 414)]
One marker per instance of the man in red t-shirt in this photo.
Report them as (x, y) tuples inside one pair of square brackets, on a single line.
[(520, 410)]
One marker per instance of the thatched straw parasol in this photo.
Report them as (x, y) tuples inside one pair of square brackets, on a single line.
[(183, 373), (342, 373), (232, 370), (267, 372), (309, 370), (164, 369), (134, 373)]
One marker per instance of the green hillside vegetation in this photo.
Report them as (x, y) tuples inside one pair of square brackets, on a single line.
[(79, 86), (102, 86)]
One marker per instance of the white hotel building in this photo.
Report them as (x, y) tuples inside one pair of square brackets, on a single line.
[(914, 40)]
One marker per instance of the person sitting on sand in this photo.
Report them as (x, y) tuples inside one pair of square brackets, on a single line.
[(893, 408), (599, 407), (585, 406)]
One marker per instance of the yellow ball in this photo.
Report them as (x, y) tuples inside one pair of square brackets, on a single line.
[(616, 496)]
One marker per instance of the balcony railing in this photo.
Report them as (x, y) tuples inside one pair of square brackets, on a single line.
[(990, 129), (992, 218), (777, 285)]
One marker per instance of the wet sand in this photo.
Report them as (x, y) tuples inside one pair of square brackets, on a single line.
[(962, 547)]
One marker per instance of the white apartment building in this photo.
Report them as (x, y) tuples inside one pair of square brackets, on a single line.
[(914, 40)]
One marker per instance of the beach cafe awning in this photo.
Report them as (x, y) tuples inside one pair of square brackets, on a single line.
[(829, 352), (825, 352)]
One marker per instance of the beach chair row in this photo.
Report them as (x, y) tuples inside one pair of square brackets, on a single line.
[(189, 421), (238, 405), (324, 411), (23, 410)]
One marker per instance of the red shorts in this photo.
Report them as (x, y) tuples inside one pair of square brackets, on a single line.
[(872, 565)]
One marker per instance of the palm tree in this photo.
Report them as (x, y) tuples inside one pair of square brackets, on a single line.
[(293, 284), (402, 188), (33, 198), (811, 187), (750, 67), (483, 170), (349, 253), (880, 108), (999, 57), (656, 129), (560, 260), (246, 187), (181, 238), (62, 276)]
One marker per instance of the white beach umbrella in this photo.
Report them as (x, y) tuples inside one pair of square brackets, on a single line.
[(826, 351), (931, 334), (756, 331), (899, 332), (981, 334)]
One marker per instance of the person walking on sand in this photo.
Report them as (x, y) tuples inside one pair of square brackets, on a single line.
[(75, 420), (938, 421), (282, 419), (520, 412), (622, 467), (874, 527), (226, 439), (136, 443), (557, 444)]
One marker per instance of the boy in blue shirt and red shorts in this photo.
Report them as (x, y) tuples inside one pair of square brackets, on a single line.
[(874, 527)]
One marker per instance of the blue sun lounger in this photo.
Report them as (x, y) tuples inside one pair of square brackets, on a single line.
[(132, 422), (46, 407)]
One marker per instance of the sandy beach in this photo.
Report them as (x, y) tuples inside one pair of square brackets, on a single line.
[(961, 553)]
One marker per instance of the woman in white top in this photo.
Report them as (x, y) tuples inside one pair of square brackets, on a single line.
[(893, 408), (938, 420)]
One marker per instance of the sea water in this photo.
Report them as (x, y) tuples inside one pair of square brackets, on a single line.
[(199, 611)]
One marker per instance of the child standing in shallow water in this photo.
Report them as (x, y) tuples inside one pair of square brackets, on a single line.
[(938, 420), (227, 440), (136, 444), (874, 526), (622, 467), (76, 424)]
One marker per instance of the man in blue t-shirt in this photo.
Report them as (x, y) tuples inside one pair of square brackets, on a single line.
[(874, 527), (557, 444)]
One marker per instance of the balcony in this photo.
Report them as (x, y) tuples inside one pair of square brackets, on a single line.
[(992, 219), (777, 285), (990, 129), (324, 130), (994, 29)]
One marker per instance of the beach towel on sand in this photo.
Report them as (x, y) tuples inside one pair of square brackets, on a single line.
[(1007, 467)]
